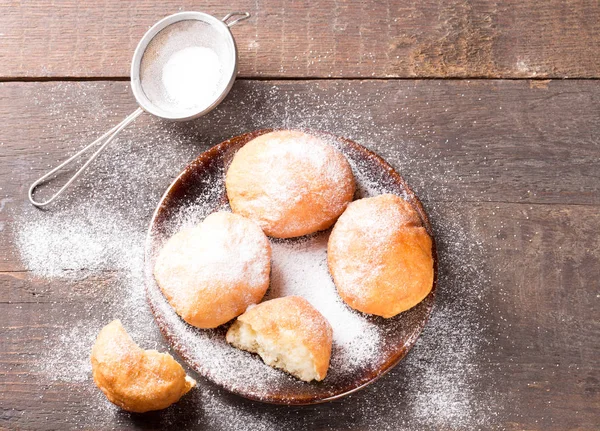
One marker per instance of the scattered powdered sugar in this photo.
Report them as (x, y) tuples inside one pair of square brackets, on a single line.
[(76, 366), (84, 243), (442, 397), (437, 386)]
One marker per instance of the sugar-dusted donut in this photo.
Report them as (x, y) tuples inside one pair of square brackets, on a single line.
[(380, 256), (288, 333), (290, 182), (212, 272), (135, 379)]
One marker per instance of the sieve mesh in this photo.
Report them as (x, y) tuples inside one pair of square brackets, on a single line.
[(187, 66)]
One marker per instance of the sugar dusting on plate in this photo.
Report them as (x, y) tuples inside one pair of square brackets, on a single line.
[(362, 346), (300, 268), (434, 387)]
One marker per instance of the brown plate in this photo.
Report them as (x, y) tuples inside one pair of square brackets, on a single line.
[(365, 347)]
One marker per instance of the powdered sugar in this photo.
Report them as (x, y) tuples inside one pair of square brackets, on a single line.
[(78, 367), (300, 268), (86, 245), (434, 387), (186, 66), (190, 77)]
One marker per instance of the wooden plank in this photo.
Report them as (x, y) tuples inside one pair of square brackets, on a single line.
[(513, 194), (325, 38), (465, 141), (527, 337)]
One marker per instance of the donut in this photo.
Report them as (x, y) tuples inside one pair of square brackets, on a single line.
[(380, 256), (132, 378), (288, 333), (212, 272), (289, 182)]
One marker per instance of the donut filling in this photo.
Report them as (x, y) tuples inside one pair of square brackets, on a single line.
[(283, 352)]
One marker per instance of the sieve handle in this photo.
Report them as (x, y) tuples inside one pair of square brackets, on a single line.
[(242, 15), (102, 141)]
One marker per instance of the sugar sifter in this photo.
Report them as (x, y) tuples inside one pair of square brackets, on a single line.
[(182, 68)]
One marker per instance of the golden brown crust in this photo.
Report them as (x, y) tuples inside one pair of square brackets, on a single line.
[(380, 256), (211, 273), (291, 183), (134, 379), (294, 315)]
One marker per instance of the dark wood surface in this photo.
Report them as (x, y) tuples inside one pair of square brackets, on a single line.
[(324, 38), (508, 170), (512, 192)]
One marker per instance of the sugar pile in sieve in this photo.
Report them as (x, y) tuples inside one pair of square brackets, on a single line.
[(181, 70)]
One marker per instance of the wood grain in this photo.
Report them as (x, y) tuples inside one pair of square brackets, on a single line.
[(538, 371), (508, 173), (464, 141), (325, 38)]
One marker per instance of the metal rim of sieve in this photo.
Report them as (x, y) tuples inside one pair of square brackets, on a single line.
[(220, 25)]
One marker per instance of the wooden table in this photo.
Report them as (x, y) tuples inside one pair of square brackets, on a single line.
[(490, 110)]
